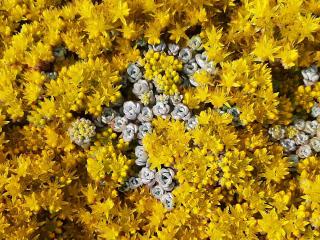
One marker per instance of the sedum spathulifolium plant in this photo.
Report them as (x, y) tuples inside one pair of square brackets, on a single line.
[(143, 119)]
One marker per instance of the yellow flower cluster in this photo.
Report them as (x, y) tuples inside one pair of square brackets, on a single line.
[(306, 96), (243, 83), (163, 70), (65, 60)]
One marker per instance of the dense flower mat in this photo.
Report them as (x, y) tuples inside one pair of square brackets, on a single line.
[(169, 119)]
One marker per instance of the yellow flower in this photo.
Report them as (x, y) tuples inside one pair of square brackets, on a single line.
[(120, 11), (311, 189), (277, 170), (202, 77), (219, 97), (90, 193), (178, 32), (235, 167), (265, 49), (296, 222), (32, 203), (161, 17), (167, 143), (272, 225), (103, 209), (130, 31), (95, 169), (288, 56), (153, 33), (308, 25), (109, 231), (247, 114)]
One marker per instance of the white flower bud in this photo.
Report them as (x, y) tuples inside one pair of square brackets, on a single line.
[(141, 162), (144, 129), (190, 68), (158, 47), (170, 187), (108, 114), (140, 87), (310, 75), (304, 151), (161, 109), (167, 201), (176, 99), (134, 182), (195, 43), (131, 109), (129, 132), (141, 153), (315, 111), (277, 132), (318, 131), (301, 138), (147, 176), (202, 61), (315, 144), (181, 112), (165, 178), (157, 191), (134, 73), (192, 123), (173, 49), (185, 55), (311, 127), (193, 82), (146, 115), (118, 124), (288, 144), (299, 124)]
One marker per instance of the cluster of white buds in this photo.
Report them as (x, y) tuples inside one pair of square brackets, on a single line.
[(173, 49), (310, 75), (81, 132), (193, 57), (158, 47), (161, 184), (302, 138), (143, 90), (199, 62), (146, 100), (181, 112)]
